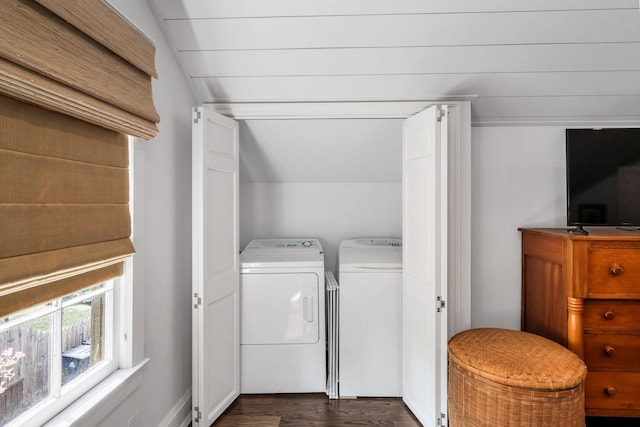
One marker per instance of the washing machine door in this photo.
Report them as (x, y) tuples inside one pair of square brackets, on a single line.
[(279, 308)]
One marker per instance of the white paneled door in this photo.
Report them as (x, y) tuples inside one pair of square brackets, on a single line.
[(216, 320), (424, 234)]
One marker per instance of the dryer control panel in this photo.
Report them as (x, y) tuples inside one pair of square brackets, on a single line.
[(284, 244), (293, 253)]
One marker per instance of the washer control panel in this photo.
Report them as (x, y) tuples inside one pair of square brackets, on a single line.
[(381, 243)]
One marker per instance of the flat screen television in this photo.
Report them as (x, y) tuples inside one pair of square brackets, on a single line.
[(603, 177)]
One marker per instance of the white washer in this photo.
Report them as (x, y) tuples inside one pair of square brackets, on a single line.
[(282, 317), (370, 343)]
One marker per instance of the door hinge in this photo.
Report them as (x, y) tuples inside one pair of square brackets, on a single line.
[(197, 415), (440, 114), (442, 419), (197, 115), (440, 304), (197, 301)]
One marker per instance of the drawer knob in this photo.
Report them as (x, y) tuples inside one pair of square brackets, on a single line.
[(609, 351), (609, 315), (610, 391), (616, 269)]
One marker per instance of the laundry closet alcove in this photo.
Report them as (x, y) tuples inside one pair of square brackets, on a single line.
[(432, 198)]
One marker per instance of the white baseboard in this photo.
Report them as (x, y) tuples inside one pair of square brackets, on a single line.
[(180, 414), (187, 421)]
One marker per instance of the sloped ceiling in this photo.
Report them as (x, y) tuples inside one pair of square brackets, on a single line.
[(354, 150), (573, 62), (517, 60)]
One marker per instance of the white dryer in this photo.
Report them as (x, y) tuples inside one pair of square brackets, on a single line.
[(370, 317), (282, 317)]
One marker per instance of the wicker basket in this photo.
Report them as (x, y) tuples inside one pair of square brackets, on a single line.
[(501, 377)]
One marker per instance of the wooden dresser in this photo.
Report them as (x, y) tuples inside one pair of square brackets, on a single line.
[(584, 292)]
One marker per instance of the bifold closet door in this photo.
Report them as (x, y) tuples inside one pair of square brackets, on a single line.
[(216, 313), (424, 234)]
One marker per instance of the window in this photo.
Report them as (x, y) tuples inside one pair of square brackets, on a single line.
[(51, 349), (75, 80), (53, 352)]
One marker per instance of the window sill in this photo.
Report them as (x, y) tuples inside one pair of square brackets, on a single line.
[(101, 400)]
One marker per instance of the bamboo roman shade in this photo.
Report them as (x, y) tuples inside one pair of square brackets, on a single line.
[(64, 204), (75, 80), (78, 57)]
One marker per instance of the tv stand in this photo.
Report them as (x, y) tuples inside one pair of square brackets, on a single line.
[(578, 230)]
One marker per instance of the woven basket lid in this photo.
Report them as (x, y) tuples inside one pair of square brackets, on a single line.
[(516, 358)]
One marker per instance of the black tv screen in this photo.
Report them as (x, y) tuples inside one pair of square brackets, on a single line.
[(603, 177)]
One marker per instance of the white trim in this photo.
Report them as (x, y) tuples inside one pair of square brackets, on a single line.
[(124, 321), (459, 292), (180, 413), (327, 110), (555, 121), (391, 110), (134, 310), (103, 399)]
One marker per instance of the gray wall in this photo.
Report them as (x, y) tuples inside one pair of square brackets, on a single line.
[(518, 180), (162, 235)]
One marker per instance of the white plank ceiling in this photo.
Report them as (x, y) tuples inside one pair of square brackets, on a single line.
[(518, 61)]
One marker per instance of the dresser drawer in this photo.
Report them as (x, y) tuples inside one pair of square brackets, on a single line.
[(611, 315), (612, 390), (613, 271), (612, 352)]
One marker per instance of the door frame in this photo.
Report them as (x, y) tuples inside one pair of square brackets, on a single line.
[(459, 253)]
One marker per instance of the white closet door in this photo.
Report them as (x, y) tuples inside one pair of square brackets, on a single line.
[(216, 320), (424, 234)]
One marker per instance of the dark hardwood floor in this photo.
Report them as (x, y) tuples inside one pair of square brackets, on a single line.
[(314, 410)]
